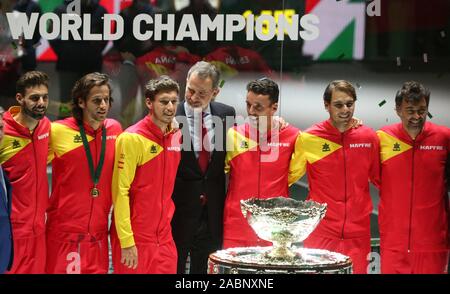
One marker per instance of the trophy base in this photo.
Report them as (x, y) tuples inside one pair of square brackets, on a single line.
[(257, 260)]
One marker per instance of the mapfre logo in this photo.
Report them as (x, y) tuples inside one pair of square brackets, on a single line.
[(43, 136), (278, 144), (431, 148), (361, 145), (174, 148)]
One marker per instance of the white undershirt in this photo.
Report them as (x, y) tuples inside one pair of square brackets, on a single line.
[(2, 180)]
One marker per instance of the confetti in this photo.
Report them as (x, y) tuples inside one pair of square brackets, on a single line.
[(430, 115), (341, 56), (382, 103), (443, 34), (399, 61), (425, 57), (14, 45), (222, 82)]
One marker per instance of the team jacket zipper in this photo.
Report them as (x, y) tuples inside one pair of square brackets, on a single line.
[(36, 198), (162, 190), (345, 187), (411, 197)]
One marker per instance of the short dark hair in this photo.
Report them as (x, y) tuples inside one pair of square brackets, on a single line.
[(412, 92), (31, 79), (206, 70), (341, 86), (82, 88), (161, 84), (265, 86)]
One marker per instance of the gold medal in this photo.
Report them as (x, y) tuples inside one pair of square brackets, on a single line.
[(95, 192)]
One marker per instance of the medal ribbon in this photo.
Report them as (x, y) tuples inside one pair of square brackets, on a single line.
[(95, 174)]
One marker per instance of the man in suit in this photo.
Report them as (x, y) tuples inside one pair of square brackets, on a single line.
[(6, 242), (199, 193)]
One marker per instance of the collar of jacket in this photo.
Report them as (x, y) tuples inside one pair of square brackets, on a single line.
[(405, 137), (249, 129), (332, 129), (20, 129), (155, 130), (90, 131)]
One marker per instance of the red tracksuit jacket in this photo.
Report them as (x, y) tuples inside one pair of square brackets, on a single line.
[(413, 212), (77, 222), (256, 170), (339, 167), (24, 159), (72, 209), (144, 175)]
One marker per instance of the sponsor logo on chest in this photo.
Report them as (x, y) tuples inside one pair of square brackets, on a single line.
[(244, 145), (361, 145), (396, 147), (16, 144), (279, 144), (174, 148), (431, 148), (77, 139), (43, 136)]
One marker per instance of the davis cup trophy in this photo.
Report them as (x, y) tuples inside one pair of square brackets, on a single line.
[(282, 221)]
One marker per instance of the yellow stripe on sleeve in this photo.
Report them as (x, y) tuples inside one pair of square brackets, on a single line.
[(297, 165), (132, 151), (125, 163)]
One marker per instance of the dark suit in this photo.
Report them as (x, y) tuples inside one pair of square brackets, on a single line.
[(197, 229), (6, 242)]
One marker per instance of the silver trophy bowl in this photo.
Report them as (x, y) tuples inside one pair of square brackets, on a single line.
[(282, 221)]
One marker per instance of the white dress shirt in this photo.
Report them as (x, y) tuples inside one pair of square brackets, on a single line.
[(194, 120)]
